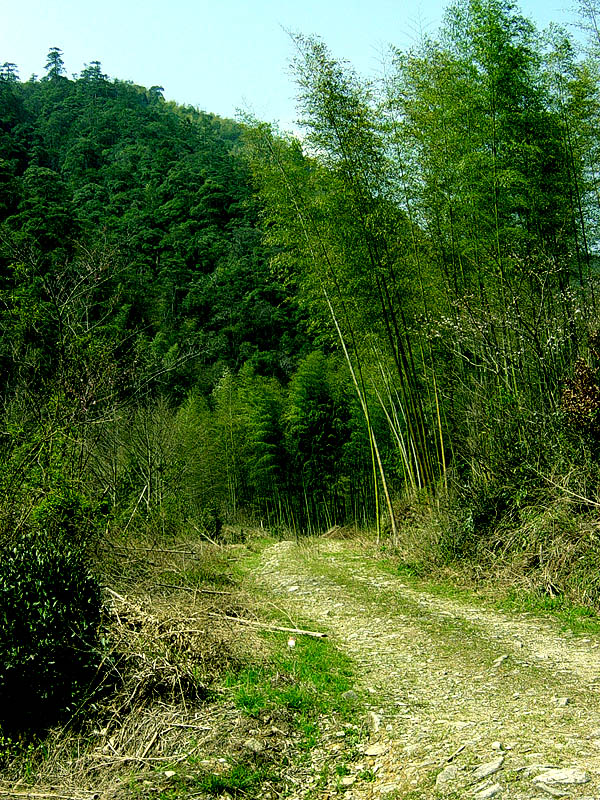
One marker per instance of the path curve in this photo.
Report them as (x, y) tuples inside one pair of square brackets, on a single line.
[(453, 691)]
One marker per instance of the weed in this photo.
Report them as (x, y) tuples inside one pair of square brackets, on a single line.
[(8, 750), (367, 775), (237, 779), (576, 618), (211, 568), (410, 570), (579, 619)]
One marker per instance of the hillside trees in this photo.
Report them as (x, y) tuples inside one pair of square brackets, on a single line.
[(93, 159), (148, 346)]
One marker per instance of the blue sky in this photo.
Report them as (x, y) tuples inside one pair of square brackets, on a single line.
[(219, 55)]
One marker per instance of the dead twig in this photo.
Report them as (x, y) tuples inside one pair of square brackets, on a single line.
[(148, 747), (53, 795), (143, 760), (282, 611), (157, 550), (117, 595), (192, 589), (265, 626), (568, 491), (205, 535), (455, 753)]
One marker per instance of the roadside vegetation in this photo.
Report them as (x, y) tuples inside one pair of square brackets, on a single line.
[(187, 701), (210, 327)]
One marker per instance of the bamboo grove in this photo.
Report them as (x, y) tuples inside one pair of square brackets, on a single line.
[(444, 219)]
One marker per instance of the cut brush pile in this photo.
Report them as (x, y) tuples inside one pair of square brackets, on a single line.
[(155, 718)]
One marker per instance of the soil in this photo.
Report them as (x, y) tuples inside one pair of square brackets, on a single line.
[(458, 700)]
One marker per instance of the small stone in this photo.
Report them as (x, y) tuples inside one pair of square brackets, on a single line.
[(533, 769), (374, 721), (561, 776), (350, 696), (553, 791), (489, 768), (293, 588), (562, 702), (254, 745), (170, 773), (497, 746), (446, 776), (377, 749), (348, 780), (500, 660), (489, 791)]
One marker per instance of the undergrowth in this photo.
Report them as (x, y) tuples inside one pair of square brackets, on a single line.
[(196, 704), (542, 559)]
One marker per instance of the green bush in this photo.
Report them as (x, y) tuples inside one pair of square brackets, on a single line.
[(49, 632), (64, 515)]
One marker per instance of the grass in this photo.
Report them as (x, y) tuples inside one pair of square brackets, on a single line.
[(307, 680), (237, 779), (579, 619)]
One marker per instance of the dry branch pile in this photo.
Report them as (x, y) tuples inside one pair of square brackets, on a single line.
[(165, 653)]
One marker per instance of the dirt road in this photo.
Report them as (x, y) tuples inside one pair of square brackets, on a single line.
[(460, 701)]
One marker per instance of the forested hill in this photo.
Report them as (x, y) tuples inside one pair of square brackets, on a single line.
[(155, 370), (110, 168), (203, 320)]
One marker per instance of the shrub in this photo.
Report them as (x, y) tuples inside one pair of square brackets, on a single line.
[(49, 631), (64, 515)]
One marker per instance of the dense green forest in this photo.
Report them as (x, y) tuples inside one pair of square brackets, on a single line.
[(206, 321), (156, 369)]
